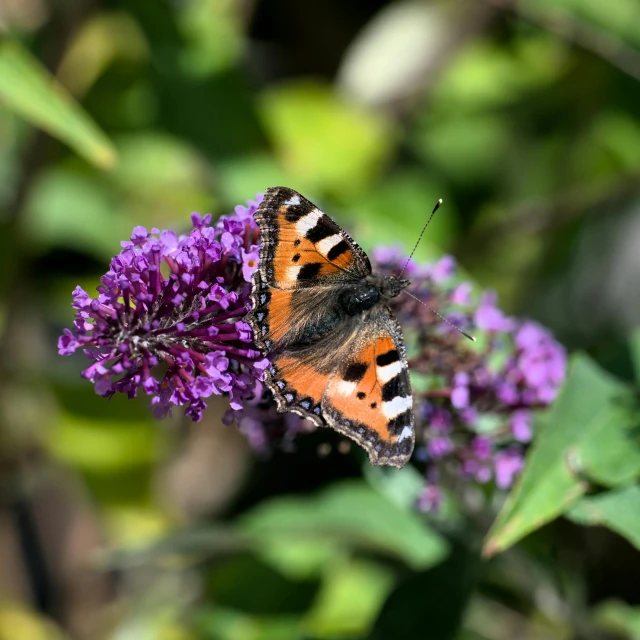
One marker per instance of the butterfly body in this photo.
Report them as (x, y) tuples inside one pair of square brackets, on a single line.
[(337, 351)]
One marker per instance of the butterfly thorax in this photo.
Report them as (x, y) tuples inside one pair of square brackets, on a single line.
[(359, 297)]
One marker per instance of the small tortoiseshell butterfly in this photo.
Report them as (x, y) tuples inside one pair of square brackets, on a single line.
[(337, 352)]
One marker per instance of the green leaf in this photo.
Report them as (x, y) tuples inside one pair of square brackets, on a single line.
[(325, 142), (468, 147), (549, 484), (348, 514), (619, 510), (162, 179), (619, 618), (96, 44), (242, 176), (401, 486), (379, 221), (28, 89), (485, 75), (349, 599), (213, 33), (246, 583), (69, 209), (619, 18), (300, 559), (612, 456)]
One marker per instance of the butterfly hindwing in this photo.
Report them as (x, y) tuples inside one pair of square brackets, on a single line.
[(369, 397), (360, 388), (297, 386)]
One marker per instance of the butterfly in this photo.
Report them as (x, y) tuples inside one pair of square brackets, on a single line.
[(337, 352)]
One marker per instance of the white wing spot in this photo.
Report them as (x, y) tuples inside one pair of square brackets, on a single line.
[(389, 372), (308, 222), (346, 388), (326, 244), (406, 433), (396, 406), (294, 200), (292, 274)]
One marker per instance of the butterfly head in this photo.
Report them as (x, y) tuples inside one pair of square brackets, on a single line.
[(391, 286)]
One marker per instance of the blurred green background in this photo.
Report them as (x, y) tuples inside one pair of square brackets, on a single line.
[(522, 115)]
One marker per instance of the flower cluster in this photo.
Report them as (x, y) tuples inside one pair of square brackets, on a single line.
[(168, 318), (474, 401)]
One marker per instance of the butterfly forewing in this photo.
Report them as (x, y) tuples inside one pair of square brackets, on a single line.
[(303, 247)]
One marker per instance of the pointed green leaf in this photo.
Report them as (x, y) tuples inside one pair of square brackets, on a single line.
[(28, 89), (590, 402), (619, 510)]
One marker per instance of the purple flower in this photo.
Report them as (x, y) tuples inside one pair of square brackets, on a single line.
[(431, 498), (168, 317), (489, 317), (521, 425), (462, 294), (508, 464), (263, 426), (476, 414), (250, 260), (443, 270), (460, 393), (439, 447)]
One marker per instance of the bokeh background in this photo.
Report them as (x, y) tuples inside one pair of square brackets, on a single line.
[(522, 115)]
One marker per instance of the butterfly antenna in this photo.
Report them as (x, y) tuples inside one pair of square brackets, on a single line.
[(406, 264), (458, 329)]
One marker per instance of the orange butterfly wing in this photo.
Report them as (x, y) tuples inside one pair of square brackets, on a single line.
[(366, 395), (302, 246), (369, 397), (355, 377)]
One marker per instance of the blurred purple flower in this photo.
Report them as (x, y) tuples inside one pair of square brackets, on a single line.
[(508, 464), (521, 425), (489, 317), (431, 498), (263, 426), (168, 317), (476, 415)]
